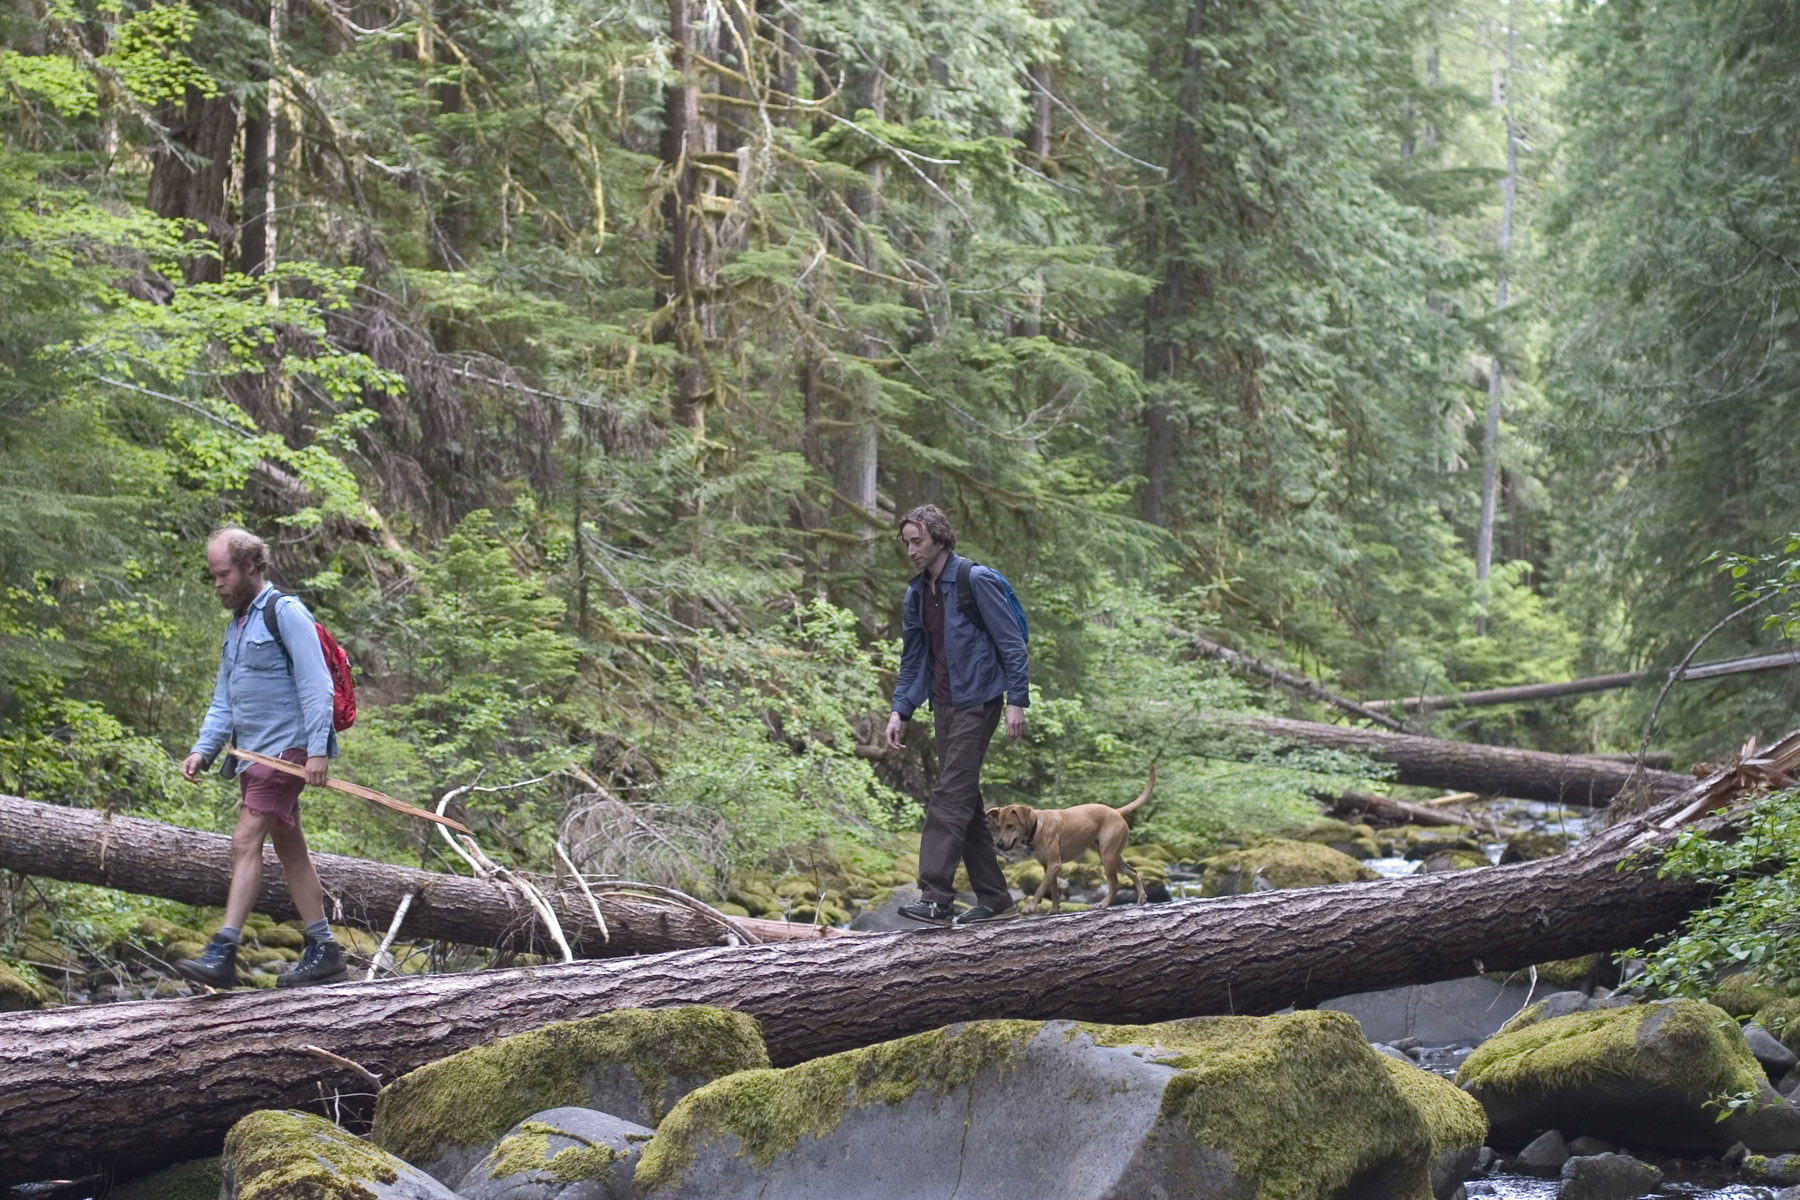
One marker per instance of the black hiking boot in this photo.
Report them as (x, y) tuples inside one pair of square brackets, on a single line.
[(321, 962), (216, 966), (928, 911), (982, 912)]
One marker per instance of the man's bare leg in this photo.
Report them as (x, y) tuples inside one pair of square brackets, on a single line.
[(296, 864), (247, 864)]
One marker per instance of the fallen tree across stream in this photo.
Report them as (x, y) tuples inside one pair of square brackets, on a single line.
[(1526, 693), (194, 867), (124, 1087), (1582, 780)]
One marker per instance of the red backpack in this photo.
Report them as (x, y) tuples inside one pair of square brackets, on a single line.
[(343, 688)]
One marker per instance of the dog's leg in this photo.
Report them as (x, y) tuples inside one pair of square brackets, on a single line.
[(1051, 866)]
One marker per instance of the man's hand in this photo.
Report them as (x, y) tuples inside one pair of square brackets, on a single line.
[(893, 731), (191, 766), (316, 768), (1015, 722)]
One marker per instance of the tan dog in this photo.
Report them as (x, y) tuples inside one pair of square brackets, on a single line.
[(1059, 835)]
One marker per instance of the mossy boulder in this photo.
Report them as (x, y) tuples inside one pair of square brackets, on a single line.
[(197, 1180), (1743, 994), (280, 937), (1529, 847), (1295, 1106), (1782, 1018), (1454, 1119), (1454, 859), (1358, 841), (633, 1063), (20, 992), (1281, 863), (560, 1154), (1418, 842), (1640, 1074), (272, 1155)]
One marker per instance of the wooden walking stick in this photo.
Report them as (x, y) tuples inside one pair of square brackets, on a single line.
[(354, 789)]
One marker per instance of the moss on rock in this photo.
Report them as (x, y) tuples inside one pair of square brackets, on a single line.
[(477, 1095), (1283, 863), (1693, 1051), (1454, 1119), (1358, 841), (22, 992), (1782, 1018), (527, 1149), (1743, 993), (1298, 1106), (197, 1180), (1640, 1072), (287, 1155), (1529, 847)]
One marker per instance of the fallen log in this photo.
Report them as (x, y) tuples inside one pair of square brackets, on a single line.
[(125, 1087), (189, 865), (1526, 693), (1300, 685), (1399, 812), (1575, 779)]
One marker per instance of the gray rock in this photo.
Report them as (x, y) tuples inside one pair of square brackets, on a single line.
[(1453, 1012), (1792, 1193), (1383, 1048), (633, 1063), (296, 1156), (560, 1154), (885, 917), (1775, 1058), (1607, 1177), (1587, 1147), (1561, 1004), (1543, 1155), (1018, 1110), (1782, 1169), (1787, 1083)]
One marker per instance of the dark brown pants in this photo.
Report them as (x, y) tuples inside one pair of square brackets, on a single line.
[(956, 827)]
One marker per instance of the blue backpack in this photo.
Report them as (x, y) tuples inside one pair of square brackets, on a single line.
[(971, 611)]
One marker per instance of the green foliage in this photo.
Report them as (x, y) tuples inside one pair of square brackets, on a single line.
[(1752, 925)]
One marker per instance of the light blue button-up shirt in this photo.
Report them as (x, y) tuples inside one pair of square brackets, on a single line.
[(267, 700)]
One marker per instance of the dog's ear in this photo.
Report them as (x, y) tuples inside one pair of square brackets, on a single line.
[(993, 816)]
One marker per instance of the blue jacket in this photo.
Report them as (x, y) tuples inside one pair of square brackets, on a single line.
[(982, 665), (259, 701)]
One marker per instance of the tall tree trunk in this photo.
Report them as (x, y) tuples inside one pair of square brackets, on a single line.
[(132, 1085), (1490, 441), (686, 255), (49, 841), (1170, 301), (190, 181)]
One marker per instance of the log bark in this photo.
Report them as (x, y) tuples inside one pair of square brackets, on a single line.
[(194, 867), (124, 1087), (1573, 779), (1526, 693)]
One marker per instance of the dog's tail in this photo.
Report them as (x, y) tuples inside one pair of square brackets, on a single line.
[(1148, 788)]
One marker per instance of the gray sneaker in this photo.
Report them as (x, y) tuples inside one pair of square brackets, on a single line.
[(982, 912), (321, 962), (927, 911)]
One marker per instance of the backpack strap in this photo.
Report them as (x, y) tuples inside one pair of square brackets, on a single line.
[(965, 595), (272, 622)]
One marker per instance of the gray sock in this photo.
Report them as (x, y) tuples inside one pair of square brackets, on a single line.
[(319, 931), (228, 933)]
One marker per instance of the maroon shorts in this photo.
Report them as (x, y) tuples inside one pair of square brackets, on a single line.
[(274, 793)]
